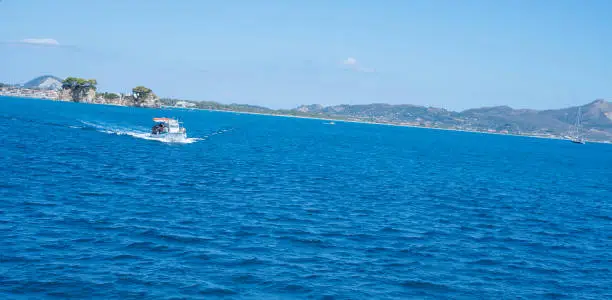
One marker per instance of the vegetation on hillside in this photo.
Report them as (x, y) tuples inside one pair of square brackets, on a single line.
[(107, 96), (597, 116), (211, 105)]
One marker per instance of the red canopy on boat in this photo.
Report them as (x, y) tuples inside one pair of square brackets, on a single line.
[(165, 120)]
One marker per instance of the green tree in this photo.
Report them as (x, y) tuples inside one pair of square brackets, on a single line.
[(140, 92), (79, 88), (110, 96), (107, 96), (74, 83)]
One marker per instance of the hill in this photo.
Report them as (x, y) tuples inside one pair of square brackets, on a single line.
[(46, 82), (596, 118)]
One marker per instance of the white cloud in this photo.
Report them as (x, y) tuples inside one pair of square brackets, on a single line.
[(352, 64), (44, 42)]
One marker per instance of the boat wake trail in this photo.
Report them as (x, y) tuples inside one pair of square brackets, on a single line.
[(140, 134), (220, 131)]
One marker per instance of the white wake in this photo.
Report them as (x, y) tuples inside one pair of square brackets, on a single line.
[(115, 130)]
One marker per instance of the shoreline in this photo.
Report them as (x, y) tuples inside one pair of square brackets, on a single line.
[(383, 124), (323, 119)]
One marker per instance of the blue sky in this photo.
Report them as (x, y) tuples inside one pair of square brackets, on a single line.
[(282, 53)]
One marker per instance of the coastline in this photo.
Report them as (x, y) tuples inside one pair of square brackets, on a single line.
[(322, 119), (384, 124)]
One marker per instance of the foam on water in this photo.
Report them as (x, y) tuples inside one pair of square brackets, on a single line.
[(136, 133)]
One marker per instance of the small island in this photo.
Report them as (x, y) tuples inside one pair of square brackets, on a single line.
[(85, 90), (76, 89)]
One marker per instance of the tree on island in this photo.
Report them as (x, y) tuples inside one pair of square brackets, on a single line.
[(74, 83), (140, 93), (79, 89)]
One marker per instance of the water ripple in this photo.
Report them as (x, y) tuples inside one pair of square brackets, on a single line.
[(278, 208)]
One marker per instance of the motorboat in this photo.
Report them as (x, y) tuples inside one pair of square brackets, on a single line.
[(168, 128)]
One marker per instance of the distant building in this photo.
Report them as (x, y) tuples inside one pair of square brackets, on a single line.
[(184, 104), (28, 93)]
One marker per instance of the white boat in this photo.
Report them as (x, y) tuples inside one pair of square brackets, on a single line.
[(575, 134), (168, 128)]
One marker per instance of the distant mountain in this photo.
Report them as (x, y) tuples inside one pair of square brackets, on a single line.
[(381, 112), (596, 118), (46, 82), (316, 108)]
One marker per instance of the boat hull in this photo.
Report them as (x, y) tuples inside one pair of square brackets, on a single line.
[(170, 136)]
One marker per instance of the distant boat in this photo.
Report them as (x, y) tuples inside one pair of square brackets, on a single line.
[(575, 135), (331, 123)]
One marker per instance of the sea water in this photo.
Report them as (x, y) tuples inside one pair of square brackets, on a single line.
[(260, 207)]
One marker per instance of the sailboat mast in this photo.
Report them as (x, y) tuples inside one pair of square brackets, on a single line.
[(574, 133), (578, 122)]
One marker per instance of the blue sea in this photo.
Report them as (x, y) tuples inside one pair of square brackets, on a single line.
[(261, 207)]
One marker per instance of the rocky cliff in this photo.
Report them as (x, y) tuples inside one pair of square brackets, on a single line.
[(84, 90), (150, 100), (85, 95)]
